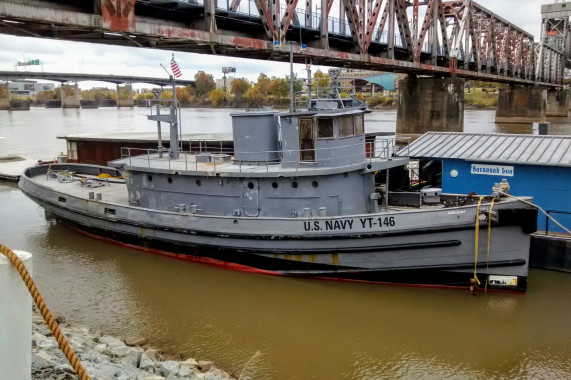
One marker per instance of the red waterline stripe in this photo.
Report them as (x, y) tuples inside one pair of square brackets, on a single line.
[(196, 259), (244, 268)]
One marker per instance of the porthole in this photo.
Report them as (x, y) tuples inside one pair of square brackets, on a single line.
[(169, 180), (315, 184), (275, 185), (235, 221), (294, 184), (250, 185), (198, 183), (150, 178)]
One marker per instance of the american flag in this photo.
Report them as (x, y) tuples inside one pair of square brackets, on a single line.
[(175, 70)]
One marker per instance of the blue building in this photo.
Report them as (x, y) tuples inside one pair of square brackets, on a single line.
[(538, 166), (534, 165)]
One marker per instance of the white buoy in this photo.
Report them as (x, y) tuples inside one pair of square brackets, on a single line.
[(15, 321)]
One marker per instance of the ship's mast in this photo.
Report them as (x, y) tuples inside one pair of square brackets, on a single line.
[(171, 118)]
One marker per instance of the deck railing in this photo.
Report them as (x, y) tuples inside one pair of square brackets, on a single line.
[(329, 157)]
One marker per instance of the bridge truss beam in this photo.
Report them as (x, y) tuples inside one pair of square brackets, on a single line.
[(454, 38)]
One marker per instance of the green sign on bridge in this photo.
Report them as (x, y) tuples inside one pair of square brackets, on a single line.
[(30, 62)]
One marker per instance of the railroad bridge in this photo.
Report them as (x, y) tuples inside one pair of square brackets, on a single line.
[(448, 41)]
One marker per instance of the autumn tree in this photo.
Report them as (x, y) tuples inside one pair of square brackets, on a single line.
[(263, 85), (254, 98), (320, 82), (43, 96), (239, 87), (204, 84), (183, 97), (280, 88), (217, 97)]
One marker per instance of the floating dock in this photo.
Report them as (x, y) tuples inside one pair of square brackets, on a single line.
[(11, 167)]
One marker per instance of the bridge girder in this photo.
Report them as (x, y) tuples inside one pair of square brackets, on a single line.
[(67, 77), (455, 37)]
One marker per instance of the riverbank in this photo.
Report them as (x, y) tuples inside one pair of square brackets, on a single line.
[(105, 357)]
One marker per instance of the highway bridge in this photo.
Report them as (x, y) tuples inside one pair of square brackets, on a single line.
[(72, 77), (70, 92)]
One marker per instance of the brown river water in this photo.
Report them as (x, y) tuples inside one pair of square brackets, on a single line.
[(282, 328)]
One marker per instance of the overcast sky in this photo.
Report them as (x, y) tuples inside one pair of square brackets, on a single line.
[(63, 56)]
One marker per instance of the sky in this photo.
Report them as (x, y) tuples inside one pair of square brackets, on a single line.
[(75, 57)]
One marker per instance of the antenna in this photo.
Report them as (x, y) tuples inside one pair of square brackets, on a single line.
[(166, 71)]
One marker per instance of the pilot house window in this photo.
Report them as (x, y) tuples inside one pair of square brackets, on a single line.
[(346, 126), (306, 140), (324, 128), (359, 130)]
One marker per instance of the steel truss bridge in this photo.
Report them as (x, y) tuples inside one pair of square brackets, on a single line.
[(431, 37)]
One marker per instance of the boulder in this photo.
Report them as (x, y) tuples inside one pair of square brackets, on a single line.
[(135, 341), (210, 376), (185, 370), (205, 365), (167, 367), (44, 342), (119, 352), (100, 348), (191, 362), (111, 341), (133, 357), (148, 360)]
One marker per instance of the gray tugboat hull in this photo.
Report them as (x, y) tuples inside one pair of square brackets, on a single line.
[(434, 247)]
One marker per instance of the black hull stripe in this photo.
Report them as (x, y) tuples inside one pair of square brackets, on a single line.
[(259, 237), (499, 263), (429, 276)]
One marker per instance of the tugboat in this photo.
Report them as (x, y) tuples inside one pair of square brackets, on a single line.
[(298, 196)]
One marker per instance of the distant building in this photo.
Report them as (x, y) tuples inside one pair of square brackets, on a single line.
[(220, 83), (348, 76), (366, 81), (29, 88)]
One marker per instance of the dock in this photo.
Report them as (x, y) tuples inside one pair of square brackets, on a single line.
[(11, 167)]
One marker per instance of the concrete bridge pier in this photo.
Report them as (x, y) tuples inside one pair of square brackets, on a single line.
[(70, 96), (557, 103), (5, 96), (6, 102), (521, 105), (125, 96), (430, 104)]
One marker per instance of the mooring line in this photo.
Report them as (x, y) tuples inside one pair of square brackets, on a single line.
[(46, 314)]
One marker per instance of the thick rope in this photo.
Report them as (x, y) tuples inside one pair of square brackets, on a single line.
[(540, 209), (476, 240), (489, 239), (48, 317)]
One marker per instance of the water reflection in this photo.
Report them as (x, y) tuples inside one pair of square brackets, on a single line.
[(516, 128)]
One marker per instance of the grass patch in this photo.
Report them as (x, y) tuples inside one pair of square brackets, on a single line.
[(481, 98)]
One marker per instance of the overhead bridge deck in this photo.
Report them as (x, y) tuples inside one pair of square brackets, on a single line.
[(454, 38)]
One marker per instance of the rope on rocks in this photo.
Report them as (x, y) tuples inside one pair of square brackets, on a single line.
[(48, 317)]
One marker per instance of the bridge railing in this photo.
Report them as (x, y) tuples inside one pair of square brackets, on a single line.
[(310, 20)]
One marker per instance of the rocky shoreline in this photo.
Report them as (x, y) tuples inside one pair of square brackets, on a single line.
[(109, 358)]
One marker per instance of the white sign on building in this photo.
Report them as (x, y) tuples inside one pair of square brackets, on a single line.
[(507, 171)]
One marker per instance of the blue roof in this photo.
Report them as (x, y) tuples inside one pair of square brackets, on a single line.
[(387, 81)]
